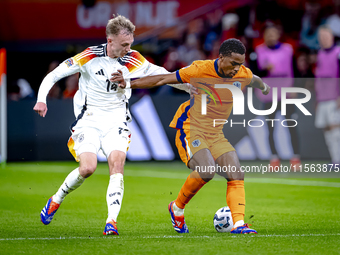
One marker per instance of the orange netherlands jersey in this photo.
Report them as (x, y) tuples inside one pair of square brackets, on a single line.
[(203, 74)]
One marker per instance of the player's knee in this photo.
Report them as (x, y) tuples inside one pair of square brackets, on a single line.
[(206, 174), (87, 169), (237, 175), (118, 165), (116, 162)]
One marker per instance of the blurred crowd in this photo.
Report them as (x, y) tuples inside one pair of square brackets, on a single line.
[(20, 89), (263, 22)]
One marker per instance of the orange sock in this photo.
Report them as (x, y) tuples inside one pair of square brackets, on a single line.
[(190, 187), (236, 200)]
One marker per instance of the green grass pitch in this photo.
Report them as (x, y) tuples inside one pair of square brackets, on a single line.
[(299, 216)]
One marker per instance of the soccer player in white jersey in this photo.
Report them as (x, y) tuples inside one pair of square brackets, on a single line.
[(101, 110)]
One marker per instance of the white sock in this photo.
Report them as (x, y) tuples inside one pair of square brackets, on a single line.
[(239, 223), (114, 196), (72, 181), (177, 211)]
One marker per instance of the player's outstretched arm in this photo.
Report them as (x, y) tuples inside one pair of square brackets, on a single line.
[(257, 82), (63, 70), (150, 82), (146, 82), (154, 81)]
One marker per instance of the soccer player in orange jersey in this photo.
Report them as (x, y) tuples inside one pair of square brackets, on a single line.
[(201, 144)]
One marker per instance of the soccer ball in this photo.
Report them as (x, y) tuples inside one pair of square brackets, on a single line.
[(223, 222)]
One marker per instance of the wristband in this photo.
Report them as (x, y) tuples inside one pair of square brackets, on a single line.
[(265, 87), (128, 84)]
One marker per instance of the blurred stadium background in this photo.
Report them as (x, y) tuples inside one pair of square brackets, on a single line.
[(298, 214), (39, 34)]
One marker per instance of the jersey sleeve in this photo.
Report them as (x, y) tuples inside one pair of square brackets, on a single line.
[(183, 75), (155, 70), (84, 57), (137, 66), (66, 68)]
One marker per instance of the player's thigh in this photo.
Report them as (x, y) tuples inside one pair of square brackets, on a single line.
[(201, 158), (87, 164), (117, 139), (229, 166), (86, 139), (188, 143), (182, 141), (203, 162), (219, 145)]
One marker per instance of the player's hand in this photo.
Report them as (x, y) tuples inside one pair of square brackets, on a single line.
[(40, 108), (266, 92), (117, 77), (192, 89)]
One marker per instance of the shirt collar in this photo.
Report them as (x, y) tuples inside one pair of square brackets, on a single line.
[(218, 73), (275, 47), (105, 50), (216, 69), (329, 49)]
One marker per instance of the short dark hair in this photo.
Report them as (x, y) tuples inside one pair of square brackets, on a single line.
[(232, 46)]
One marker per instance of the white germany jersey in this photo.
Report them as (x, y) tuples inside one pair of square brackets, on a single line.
[(96, 93)]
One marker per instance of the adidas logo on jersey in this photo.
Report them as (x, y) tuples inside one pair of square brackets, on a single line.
[(100, 72)]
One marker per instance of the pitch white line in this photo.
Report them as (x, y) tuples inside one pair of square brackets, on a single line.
[(184, 174), (163, 237), (294, 235)]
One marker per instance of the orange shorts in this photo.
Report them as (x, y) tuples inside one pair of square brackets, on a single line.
[(187, 147)]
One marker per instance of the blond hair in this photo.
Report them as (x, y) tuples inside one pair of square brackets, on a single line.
[(119, 24)]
